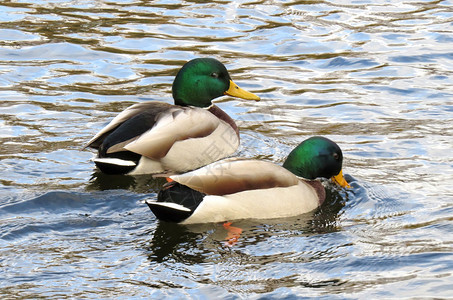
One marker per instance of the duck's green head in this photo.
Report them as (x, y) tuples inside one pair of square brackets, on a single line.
[(203, 79), (317, 157)]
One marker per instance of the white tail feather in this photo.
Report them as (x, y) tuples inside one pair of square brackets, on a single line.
[(115, 161), (169, 204)]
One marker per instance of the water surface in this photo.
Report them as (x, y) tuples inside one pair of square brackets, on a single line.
[(375, 76)]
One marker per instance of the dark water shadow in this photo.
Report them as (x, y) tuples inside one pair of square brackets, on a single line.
[(170, 240), (55, 212), (139, 183)]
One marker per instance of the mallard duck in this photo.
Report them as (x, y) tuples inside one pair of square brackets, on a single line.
[(157, 137), (233, 189)]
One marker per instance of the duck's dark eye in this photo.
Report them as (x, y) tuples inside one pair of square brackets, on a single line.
[(336, 156), (215, 75)]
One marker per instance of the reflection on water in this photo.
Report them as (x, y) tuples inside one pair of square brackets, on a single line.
[(374, 76), (140, 184)]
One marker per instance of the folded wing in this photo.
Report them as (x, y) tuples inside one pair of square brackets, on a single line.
[(151, 128), (232, 176)]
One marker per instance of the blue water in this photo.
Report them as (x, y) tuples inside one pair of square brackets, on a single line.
[(374, 76)]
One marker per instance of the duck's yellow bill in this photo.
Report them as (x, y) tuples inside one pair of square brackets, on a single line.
[(236, 91), (339, 179)]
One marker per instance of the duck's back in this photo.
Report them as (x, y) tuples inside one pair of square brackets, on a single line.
[(231, 176)]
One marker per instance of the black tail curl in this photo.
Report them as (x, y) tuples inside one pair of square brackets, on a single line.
[(174, 192)]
